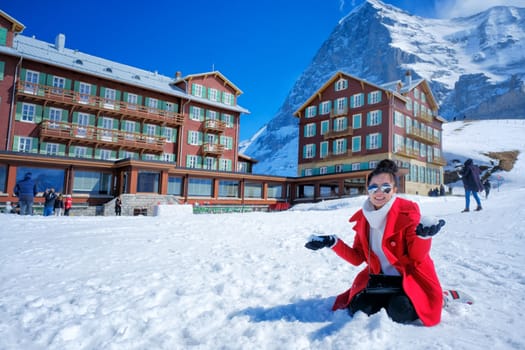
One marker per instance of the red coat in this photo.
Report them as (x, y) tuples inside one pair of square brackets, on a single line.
[(68, 202), (408, 253)]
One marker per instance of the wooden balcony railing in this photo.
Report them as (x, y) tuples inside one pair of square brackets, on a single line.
[(214, 126), (335, 155), (334, 134), (89, 103), (70, 133), (336, 112), (423, 136), (407, 152), (212, 149)]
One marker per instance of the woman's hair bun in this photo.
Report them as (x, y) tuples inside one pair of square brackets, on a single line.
[(388, 165)]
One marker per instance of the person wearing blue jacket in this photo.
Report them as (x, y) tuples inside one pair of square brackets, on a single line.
[(472, 183), (26, 191)]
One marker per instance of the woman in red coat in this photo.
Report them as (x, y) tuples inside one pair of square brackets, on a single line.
[(395, 253)]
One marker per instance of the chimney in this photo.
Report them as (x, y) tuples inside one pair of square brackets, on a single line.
[(60, 42), (178, 75), (408, 79)]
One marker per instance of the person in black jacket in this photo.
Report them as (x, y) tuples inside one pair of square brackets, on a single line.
[(472, 183), (50, 197), (26, 191)]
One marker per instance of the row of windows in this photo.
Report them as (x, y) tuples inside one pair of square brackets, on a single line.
[(417, 173), (340, 147), (200, 187), (201, 114), (198, 138), (373, 118), (212, 94), (340, 105)]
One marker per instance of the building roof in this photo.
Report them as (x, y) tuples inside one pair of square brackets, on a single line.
[(58, 55), (17, 27), (214, 73)]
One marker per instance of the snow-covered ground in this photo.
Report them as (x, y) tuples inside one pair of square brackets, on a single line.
[(245, 281)]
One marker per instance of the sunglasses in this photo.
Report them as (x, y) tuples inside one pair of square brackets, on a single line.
[(385, 188)]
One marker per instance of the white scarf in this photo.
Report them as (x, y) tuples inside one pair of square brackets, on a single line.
[(377, 221)]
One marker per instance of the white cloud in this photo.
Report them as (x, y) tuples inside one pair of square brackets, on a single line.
[(462, 8)]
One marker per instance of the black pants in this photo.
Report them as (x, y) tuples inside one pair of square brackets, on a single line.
[(397, 305)]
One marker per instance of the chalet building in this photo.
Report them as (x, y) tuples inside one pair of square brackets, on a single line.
[(349, 125), (96, 128)]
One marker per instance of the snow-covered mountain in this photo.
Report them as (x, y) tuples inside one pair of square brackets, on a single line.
[(475, 66)]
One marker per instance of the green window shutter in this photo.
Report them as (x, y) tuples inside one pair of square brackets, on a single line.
[(351, 102), (380, 116), (334, 145), (62, 150), (324, 127), (305, 130), (115, 124), (345, 84), (46, 113), (42, 78), (345, 123), (188, 137), (67, 84), (315, 129), (76, 86), (49, 80), (89, 152), (125, 97), (34, 145), (367, 141), (118, 94), (3, 36), (102, 91), (344, 145), (324, 149), (368, 122), (200, 138), (304, 152), (38, 113), (23, 72), (15, 142), (193, 89), (2, 68), (93, 90), (18, 115), (43, 146), (368, 98), (380, 140), (74, 118)]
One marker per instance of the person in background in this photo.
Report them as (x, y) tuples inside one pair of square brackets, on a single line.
[(486, 186), (49, 201), (26, 191), (118, 206), (393, 243), (59, 205), (471, 182), (9, 208), (68, 203)]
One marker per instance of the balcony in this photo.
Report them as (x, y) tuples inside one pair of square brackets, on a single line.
[(407, 152), (214, 126), (338, 112), (422, 136), (335, 134), (439, 161), (337, 155), (60, 132), (69, 99), (212, 149)]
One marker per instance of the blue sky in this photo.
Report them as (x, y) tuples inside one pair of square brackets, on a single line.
[(261, 46)]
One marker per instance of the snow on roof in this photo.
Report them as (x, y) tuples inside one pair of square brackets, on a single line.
[(57, 55)]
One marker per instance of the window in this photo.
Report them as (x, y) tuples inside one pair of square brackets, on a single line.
[(200, 187), (194, 137), (324, 149), (109, 98), (129, 128), (168, 134), (148, 181), (105, 154), (416, 109), (340, 124), (325, 107), (275, 191), (310, 112), (83, 122), (28, 112), (196, 113), (79, 152), (170, 107), (356, 144), (52, 149), (212, 115), (229, 188), (153, 105), (25, 144), (325, 124), (309, 151), (55, 117), (91, 182), (151, 129), (213, 94), (308, 172), (198, 90), (3, 178), (373, 118), (323, 170), (133, 101), (357, 100), (225, 165), (209, 163), (340, 106), (339, 168), (340, 146), (44, 177), (84, 91), (174, 186), (356, 166), (356, 121), (309, 130), (399, 143), (374, 141), (227, 98), (399, 119), (31, 82), (374, 97), (228, 120), (107, 125), (58, 85), (341, 84), (193, 161), (253, 190)]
